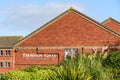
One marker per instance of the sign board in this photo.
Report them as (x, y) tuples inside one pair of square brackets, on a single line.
[(40, 56)]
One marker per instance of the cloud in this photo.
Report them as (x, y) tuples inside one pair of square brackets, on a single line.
[(22, 19)]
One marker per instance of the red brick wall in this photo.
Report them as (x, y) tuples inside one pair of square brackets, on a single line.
[(113, 25), (5, 59), (72, 30), (69, 30), (20, 61)]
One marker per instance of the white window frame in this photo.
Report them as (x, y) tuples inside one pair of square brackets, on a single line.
[(7, 52), (7, 64)]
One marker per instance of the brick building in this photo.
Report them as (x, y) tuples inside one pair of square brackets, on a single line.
[(112, 24), (7, 53), (68, 33)]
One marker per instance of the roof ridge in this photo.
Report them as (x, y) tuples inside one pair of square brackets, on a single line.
[(110, 18), (115, 20)]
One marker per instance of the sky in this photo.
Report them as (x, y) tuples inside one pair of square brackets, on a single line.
[(21, 17)]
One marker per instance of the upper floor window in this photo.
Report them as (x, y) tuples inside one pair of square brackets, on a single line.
[(7, 52), (7, 64), (1, 52), (1, 64)]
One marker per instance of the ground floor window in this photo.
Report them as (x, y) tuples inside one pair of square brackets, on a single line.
[(7, 64), (70, 52)]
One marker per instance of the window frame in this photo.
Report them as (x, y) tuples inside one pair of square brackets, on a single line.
[(7, 65), (8, 54), (1, 64), (67, 50), (1, 52)]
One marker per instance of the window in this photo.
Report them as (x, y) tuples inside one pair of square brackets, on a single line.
[(1, 52), (70, 52), (1, 64), (7, 52), (7, 64)]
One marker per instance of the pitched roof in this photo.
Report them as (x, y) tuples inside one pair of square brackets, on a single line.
[(110, 19), (64, 13), (8, 41), (112, 24)]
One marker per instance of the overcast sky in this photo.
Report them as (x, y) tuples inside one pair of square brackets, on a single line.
[(21, 17)]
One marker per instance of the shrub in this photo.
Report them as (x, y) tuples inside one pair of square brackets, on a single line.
[(83, 67), (113, 62), (31, 69), (16, 75)]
